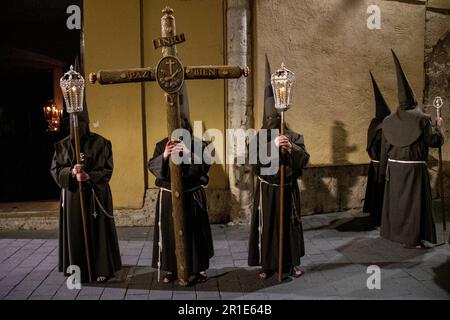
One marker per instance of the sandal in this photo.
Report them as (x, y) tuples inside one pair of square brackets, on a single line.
[(265, 274), (297, 272), (168, 278)]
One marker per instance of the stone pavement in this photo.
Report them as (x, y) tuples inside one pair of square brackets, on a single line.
[(338, 254)]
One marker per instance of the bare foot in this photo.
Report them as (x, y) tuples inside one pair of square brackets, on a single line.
[(297, 272), (265, 274)]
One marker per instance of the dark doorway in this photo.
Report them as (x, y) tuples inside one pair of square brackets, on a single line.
[(36, 48)]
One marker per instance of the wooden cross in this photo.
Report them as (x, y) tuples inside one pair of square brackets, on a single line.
[(170, 75)]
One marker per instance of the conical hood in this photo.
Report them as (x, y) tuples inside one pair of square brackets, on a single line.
[(184, 108), (270, 113), (83, 117), (381, 107), (406, 97)]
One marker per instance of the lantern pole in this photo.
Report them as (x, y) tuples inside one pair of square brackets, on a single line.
[(72, 96), (281, 232), (438, 103), (76, 139), (282, 81)]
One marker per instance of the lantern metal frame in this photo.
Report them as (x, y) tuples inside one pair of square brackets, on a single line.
[(72, 86), (282, 82)]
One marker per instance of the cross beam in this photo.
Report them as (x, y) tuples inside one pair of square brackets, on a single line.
[(170, 75), (149, 74)]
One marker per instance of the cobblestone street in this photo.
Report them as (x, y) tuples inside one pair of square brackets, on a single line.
[(336, 263)]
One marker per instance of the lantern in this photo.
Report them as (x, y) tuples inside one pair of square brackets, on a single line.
[(53, 116), (282, 82), (72, 87)]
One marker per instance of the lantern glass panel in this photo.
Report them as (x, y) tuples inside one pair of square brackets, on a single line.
[(72, 87), (282, 82)]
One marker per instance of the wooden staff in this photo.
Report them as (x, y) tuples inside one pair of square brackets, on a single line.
[(441, 190), (281, 232), (441, 172), (76, 138), (176, 182)]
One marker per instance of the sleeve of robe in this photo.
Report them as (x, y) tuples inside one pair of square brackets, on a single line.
[(433, 136), (160, 167), (62, 175), (253, 154), (383, 157), (199, 170), (254, 150), (102, 172), (298, 157), (157, 164)]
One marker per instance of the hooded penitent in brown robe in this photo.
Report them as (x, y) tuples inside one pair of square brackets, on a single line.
[(199, 247), (373, 201), (407, 135), (97, 161), (264, 230)]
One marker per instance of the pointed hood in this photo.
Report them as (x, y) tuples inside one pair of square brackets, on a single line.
[(405, 126), (183, 100), (381, 107), (406, 97), (270, 116), (381, 111)]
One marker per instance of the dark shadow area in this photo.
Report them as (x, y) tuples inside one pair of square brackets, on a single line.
[(379, 251), (330, 188), (442, 276), (356, 224), (348, 224), (433, 164), (34, 53), (224, 280), (340, 150)]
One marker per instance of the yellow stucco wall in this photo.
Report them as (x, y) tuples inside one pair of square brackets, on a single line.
[(113, 40), (329, 47)]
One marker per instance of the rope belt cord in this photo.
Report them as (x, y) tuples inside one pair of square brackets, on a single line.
[(261, 222), (407, 161), (160, 233), (100, 205), (273, 184), (375, 161), (160, 246), (261, 212), (403, 162)]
